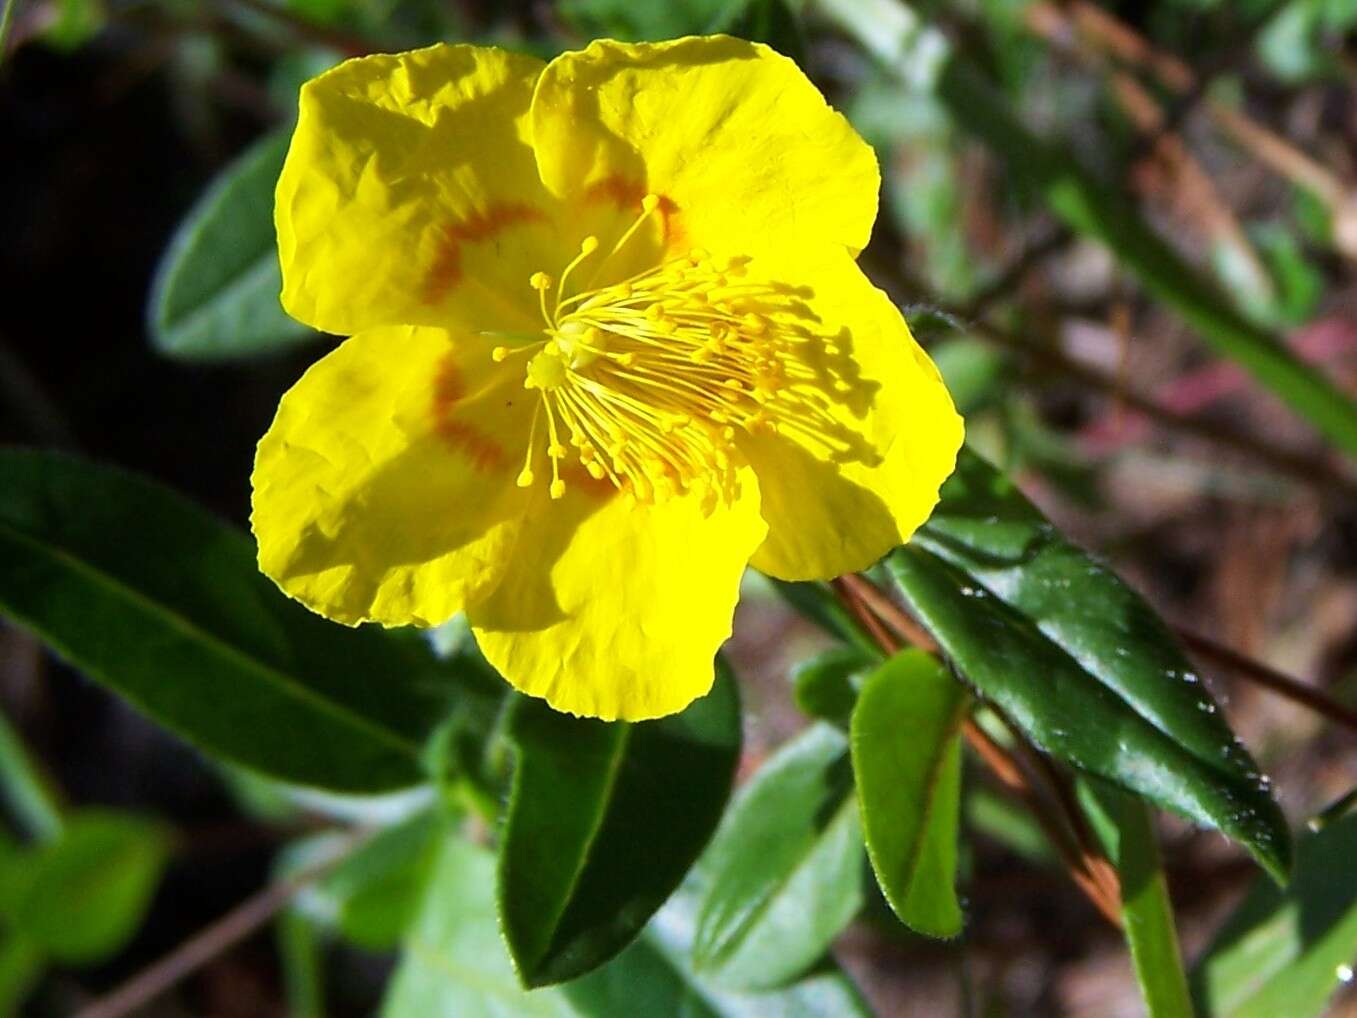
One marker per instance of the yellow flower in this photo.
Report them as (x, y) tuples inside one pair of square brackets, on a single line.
[(609, 345)]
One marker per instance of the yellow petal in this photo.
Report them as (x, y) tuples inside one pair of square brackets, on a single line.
[(892, 434), (410, 194), (613, 611), (384, 489), (740, 146)]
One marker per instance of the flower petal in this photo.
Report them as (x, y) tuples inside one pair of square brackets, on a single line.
[(740, 146), (384, 489), (892, 434), (410, 194), (617, 611)]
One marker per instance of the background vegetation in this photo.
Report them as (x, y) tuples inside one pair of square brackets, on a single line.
[(1126, 232)]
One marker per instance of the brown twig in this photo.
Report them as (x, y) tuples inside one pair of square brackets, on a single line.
[(208, 943), (1270, 678), (1088, 868)]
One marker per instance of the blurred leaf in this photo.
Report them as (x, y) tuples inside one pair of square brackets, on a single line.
[(603, 821), (976, 372), (1286, 952), (768, 21), (907, 765), (626, 19), (1128, 835), (826, 685), (1005, 821), (1078, 660), (373, 895), (784, 874), (25, 788), (216, 290), (455, 965), (1300, 284), (77, 22), (301, 959), (84, 894), (1096, 210), (21, 965), (156, 599), (817, 602)]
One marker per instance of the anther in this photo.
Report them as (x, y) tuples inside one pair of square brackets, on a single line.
[(525, 478), (499, 353), (650, 203), (557, 488), (540, 281)]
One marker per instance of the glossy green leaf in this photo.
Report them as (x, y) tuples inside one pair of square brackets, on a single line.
[(1078, 660), (826, 685), (163, 603), (783, 876), (906, 749), (215, 295), (455, 965), (84, 894), (1126, 827), (603, 821), (1287, 952)]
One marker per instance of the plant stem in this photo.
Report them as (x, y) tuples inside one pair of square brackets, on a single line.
[(212, 940), (892, 627)]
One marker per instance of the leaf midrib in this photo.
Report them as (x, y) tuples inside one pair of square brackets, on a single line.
[(191, 630)]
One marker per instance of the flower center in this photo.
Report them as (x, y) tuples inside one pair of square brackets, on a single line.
[(648, 382)]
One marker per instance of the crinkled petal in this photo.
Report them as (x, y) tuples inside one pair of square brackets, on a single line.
[(410, 194), (616, 611), (741, 147), (865, 473), (384, 489)]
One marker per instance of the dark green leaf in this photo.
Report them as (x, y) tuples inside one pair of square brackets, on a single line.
[(216, 291), (301, 957), (784, 874), (907, 765), (84, 894), (768, 21), (21, 965), (1286, 952), (627, 19), (1078, 660), (603, 821), (826, 685), (164, 604)]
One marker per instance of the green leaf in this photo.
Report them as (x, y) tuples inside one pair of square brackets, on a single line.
[(784, 874), (455, 965), (84, 894), (156, 599), (826, 685), (626, 19), (301, 957), (1078, 660), (30, 796), (374, 894), (216, 291), (1128, 834), (21, 965), (768, 21), (907, 764), (1286, 952), (604, 819)]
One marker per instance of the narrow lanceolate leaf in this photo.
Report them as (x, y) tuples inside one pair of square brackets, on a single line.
[(83, 895), (603, 821), (216, 291), (149, 595), (1127, 829), (1287, 952), (783, 876), (907, 764), (455, 965), (1078, 660)]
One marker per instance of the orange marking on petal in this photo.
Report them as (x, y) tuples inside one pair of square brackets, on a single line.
[(446, 270), (483, 452), (579, 479), (626, 194)]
